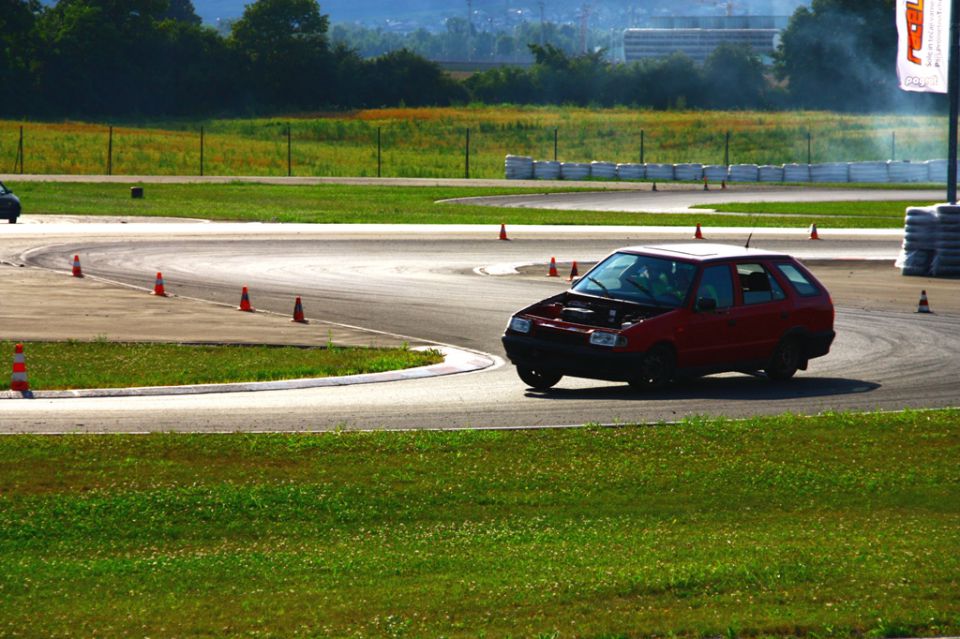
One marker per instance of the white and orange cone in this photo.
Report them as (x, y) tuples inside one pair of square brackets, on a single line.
[(158, 289), (298, 313), (245, 302), (698, 234), (924, 305), (503, 232), (19, 380), (553, 268), (574, 273), (813, 232), (77, 271)]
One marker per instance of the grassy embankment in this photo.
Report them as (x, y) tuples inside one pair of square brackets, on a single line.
[(103, 364), (380, 204), (430, 142), (840, 525)]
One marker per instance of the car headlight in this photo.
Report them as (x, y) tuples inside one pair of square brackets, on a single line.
[(519, 325), (603, 338)]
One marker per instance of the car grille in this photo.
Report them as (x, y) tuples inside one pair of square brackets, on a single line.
[(561, 336)]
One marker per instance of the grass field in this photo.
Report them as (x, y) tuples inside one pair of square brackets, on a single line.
[(833, 526), (430, 142), (879, 210), (104, 364), (399, 205)]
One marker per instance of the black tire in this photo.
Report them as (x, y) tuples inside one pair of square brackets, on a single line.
[(12, 220), (538, 379), (786, 359), (659, 367)]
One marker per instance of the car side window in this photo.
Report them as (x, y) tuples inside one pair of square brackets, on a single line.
[(716, 284), (757, 284), (798, 280)]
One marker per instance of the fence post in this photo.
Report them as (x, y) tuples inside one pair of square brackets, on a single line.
[(466, 165), (726, 150), (809, 156), (110, 153), (893, 145), (379, 151), (556, 135), (19, 152), (641, 145), (201, 151), (289, 160)]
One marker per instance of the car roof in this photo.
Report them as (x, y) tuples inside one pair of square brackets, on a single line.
[(699, 251)]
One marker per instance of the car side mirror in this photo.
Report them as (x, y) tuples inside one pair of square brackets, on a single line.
[(706, 304), (576, 279)]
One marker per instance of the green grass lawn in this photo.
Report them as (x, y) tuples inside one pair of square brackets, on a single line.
[(103, 364), (403, 205), (887, 210), (841, 525)]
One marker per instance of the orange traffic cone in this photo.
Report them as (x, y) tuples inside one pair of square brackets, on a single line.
[(698, 234), (245, 302), (553, 268), (923, 306), (298, 313), (654, 187), (158, 286), (706, 187), (503, 232), (723, 185), (76, 266), (573, 272), (19, 380), (813, 232)]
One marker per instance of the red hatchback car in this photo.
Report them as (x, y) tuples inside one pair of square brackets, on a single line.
[(648, 315)]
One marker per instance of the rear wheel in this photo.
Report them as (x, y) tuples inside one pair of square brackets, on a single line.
[(538, 379), (658, 369), (785, 359)]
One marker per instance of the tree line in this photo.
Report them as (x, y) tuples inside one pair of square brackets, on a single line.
[(154, 58)]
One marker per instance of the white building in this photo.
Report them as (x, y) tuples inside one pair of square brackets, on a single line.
[(698, 36)]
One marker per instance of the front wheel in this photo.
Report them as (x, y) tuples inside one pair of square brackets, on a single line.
[(538, 379), (785, 359), (657, 369)]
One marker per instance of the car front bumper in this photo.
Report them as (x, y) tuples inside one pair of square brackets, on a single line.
[(569, 359)]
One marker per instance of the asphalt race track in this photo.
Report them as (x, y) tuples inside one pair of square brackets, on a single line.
[(435, 285)]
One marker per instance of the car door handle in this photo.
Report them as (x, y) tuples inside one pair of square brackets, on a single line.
[(731, 322), (784, 315)]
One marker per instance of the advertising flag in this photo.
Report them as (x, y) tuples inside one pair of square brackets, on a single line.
[(923, 45)]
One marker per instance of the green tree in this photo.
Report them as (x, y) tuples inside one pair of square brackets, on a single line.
[(284, 46), (182, 11), (733, 78), (19, 44), (839, 54)]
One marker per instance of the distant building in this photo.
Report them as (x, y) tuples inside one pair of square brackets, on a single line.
[(698, 36)]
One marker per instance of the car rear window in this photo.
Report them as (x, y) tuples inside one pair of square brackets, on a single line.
[(800, 283)]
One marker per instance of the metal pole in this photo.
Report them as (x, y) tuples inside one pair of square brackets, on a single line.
[(289, 160), (466, 164), (809, 136), (641, 146), (110, 153), (201, 151), (893, 145), (20, 150), (379, 150), (953, 89), (726, 151), (556, 135)]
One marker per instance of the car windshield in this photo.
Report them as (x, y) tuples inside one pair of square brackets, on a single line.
[(3, 189), (640, 278)]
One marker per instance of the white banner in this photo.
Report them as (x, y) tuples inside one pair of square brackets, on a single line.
[(923, 45)]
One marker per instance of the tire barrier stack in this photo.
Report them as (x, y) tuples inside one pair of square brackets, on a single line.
[(631, 171), (931, 241), (546, 170), (520, 167), (603, 170), (574, 171)]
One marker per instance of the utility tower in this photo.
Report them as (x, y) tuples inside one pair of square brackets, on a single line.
[(543, 21), (584, 20), (469, 30)]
